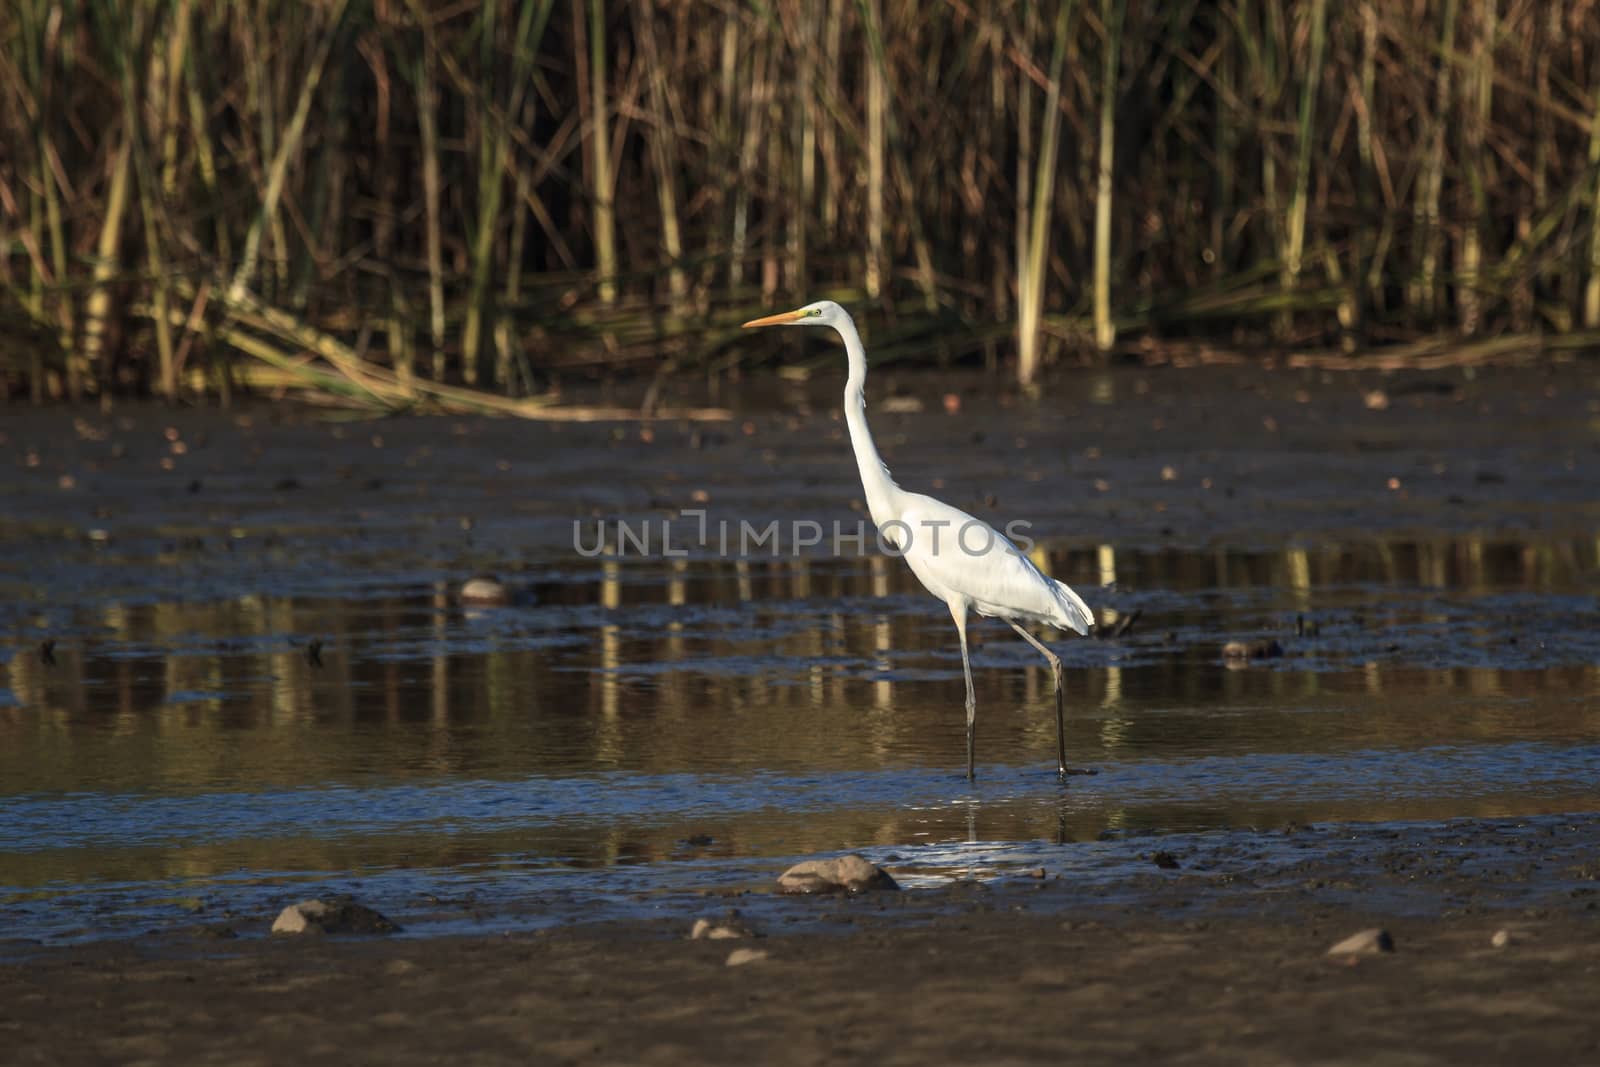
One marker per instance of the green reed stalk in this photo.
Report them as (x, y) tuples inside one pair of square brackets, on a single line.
[(833, 186), (1225, 146), (97, 306), (286, 150), (493, 146), (1476, 164), (1033, 263), (1425, 293), (663, 151), (1368, 267), (149, 181), (603, 189), (762, 60), (1313, 79), (1591, 296), (427, 92), (806, 142)]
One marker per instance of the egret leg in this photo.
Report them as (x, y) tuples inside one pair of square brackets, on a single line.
[(960, 615), (1061, 711)]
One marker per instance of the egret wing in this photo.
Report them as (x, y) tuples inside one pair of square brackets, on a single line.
[(959, 555)]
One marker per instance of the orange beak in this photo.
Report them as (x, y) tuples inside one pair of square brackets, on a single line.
[(777, 320)]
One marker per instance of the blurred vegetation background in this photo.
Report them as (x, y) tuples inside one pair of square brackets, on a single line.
[(460, 202)]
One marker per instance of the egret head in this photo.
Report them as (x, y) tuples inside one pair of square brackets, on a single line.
[(820, 313)]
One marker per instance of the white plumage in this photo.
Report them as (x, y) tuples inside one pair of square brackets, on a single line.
[(961, 559)]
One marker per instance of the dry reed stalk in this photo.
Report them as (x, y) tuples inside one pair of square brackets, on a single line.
[(1105, 331), (877, 108)]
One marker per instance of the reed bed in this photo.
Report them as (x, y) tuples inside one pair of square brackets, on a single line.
[(418, 203)]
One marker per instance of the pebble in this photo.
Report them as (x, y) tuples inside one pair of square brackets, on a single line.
[(1365, 943), (1265, 649), (484, 589), (341, 916), (741, 956), (846, 874), (706, 930), (1501, 938)]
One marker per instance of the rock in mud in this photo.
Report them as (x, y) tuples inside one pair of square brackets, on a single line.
[(1501, 938), (339, 916), (706, 930), (741, 956), (1264, 649), (484, 589), (846, 874), (1366, 943)]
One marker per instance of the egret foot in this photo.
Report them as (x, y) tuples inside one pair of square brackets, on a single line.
[(1067, 772)]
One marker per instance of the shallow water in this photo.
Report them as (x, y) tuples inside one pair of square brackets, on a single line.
[(611, 716), (631, 727)]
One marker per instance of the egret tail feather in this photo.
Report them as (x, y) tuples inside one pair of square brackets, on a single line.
[(1074, 613)]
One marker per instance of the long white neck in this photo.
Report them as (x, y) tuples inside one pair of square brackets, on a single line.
[(880, 488)]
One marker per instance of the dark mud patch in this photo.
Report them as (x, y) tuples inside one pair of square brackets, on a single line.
[(1030, 969)]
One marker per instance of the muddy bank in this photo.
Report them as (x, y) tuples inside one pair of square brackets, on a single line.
[(1187, 964), (234, 657), (1139, 457), (628, 734)]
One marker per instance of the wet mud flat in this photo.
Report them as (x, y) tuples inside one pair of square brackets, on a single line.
[(236, 672), (1216, 953)]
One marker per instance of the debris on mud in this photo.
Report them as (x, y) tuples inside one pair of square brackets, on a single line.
[(339, 916), (1364, 943), (710, 930), (484, 589), (846, 874), (1266, 648)]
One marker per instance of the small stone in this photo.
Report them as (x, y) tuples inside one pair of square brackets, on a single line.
[(741, 956), (1501, 938), (1263, 649), (846, 874), (706, 930), (342, 916), (484, 589), (1037, 872), (1366, 943), (298, 918), (1166, 861)]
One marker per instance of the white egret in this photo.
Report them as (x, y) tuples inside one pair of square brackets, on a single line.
[(960, 559)]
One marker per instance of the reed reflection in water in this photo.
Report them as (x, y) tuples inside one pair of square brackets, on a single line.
[(782, 706)]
